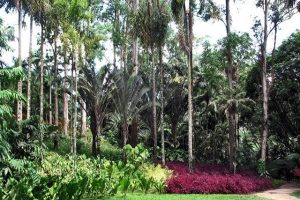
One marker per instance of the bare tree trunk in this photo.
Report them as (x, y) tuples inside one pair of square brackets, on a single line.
[(56, 81), (50, 103), (154, 131), (125, 136), (264, 85), (94, 128), (42, 74), (20, 84), (125, 131), (83, 119), (66, 106), (190, 87), (135, 5), (75, 106), (163, 155), (117, 28), (29, 70), (134, 132), (230, 71)]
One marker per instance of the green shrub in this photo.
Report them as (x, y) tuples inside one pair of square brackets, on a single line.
[(176, 155), (75, 177), (284, 168)]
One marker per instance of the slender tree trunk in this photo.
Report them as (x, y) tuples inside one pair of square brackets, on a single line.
[(125, 131), (116, 29), (29, 70), (20, 83), (231, 79), (42, 74), (264, 85), (135, 5), (163, 155), (190, 87), (125, 136), (56, 81), (154, 131), (66, 106), (83, 119), (50, 103), (94, 129), (75, 106), (134, 132), (273, 60)]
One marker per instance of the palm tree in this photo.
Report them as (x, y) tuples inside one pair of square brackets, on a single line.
[(183, 14), (74, 14), (231, 74), (128, 90), (152, 21), (93, 88)]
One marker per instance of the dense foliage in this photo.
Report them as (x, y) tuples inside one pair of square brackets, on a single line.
[(118, 97), (214, 179)]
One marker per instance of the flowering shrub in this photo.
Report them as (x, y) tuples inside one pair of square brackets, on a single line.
[(297, 171), (212, 179)]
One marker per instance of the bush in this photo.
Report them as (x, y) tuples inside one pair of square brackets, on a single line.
[(297, 171), (69, 177), (284, 168), (214, 179)]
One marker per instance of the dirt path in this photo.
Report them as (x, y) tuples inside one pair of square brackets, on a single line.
[(281, 193)]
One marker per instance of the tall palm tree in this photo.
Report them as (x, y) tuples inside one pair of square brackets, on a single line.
[(152, 21), (20, 83), (231, 74), (183, 13)]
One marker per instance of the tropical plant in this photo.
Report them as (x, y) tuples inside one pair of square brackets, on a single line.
[(128, 89)]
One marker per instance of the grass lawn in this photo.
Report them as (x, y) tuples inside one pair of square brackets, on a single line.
[(186, 197), (296, 194)]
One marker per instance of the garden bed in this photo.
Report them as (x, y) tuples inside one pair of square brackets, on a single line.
[(214, 179)]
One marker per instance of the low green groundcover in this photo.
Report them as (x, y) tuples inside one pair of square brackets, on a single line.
[(296, 194), (185, 197)]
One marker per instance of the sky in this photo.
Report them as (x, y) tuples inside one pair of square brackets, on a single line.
[(243, 17)]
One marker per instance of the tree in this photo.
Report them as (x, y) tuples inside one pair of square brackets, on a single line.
[(128, 90), (94, 88), (231, 74), (11, 4), (153, 19), (183, 13), (283, 14)]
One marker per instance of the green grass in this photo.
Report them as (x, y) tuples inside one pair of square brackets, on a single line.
[(185, 197), (296, 194)]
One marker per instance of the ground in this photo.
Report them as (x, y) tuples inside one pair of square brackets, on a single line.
[(282, 193)]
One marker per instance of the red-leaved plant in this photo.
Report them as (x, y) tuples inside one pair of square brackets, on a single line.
[(297, 171), (213, 179)]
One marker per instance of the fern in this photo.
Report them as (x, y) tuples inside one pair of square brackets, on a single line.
[(5, 110), (15, 73), (9, 95)]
